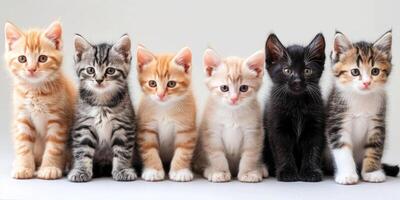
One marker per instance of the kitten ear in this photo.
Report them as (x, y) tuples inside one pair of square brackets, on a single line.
[(274, 50), (12, 33), (256, 63), (143, 57), (184, 58), (81, 45), (341, 43), (54, 34), (316, 48), (211, 60), (123, 46), (384, 43)]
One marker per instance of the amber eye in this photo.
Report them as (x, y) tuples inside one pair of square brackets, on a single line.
[(110, 71), (42, 58), (90, 70), (171, 84), (287, 71), (244, 88), (355, 72), (152, 83), (22, 59), (307, 72), (375, 71), (224, 88)]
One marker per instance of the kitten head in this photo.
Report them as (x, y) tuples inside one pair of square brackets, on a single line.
[(234, 81), (295, 69), (164, 78), (102, 69), (35, 55), (363, 67)]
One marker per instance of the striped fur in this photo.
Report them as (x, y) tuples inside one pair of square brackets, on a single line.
[(44, 101), (103, 135)]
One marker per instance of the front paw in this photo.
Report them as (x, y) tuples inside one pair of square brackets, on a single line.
[(78, 175), (181, 175), (217, 176), (150, 174), (128, 174), (251, 177), (287, 175), (23, 172), (49, 173), (311, 175), (346, 178), (377, 176)]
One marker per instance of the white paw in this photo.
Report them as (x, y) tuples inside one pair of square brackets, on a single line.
[(23, 173), (250, 177), (49, 173), (219, 176), (346, 178), (375, 176), (182, 175), (150, 174), (265, 173)]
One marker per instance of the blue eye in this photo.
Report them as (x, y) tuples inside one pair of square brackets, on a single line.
[(244, 88), (375, 71), (224, 88), (355, 72)]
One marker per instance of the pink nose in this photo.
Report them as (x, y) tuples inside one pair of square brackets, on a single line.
[(234, 99), (366, 84), (161, 96), (32, 70)]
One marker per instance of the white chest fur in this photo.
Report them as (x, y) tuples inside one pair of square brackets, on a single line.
[(166, 137), (102, 124)]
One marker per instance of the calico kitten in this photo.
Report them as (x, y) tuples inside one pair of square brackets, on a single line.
[(43, 100), (231, 134), (167, 115), (103, 136), (294, 116), (356, 108)]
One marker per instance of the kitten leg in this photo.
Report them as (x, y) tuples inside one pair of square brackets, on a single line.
[(371, 166), (83, 149), (148, 148), (24, 138), (250, 166), (53, 161), (122, 146), (218, 168), (185, 142)]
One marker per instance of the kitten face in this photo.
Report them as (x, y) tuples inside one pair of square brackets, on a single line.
[(164, 78), (295, 69), (234, 81), (362, 67), (103, 68), (33, 56)]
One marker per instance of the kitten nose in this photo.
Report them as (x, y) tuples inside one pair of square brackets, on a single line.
[(99, 81), (366, 84), (161, 95), (32, 70), (234, 99)]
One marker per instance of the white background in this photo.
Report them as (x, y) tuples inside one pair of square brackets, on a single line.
[(230, 27)]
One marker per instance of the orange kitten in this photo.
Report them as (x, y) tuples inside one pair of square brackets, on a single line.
[(167, 115), (43, 101)]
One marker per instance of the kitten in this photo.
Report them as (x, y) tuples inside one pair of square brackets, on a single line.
[(356, 108), (167, 115), (294, 116), (103, 136), (43, 100), (231, 134)]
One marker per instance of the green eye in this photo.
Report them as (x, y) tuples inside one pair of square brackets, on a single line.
[(287, 71), (22, 59), (90, 70), (152, 83), (224, 88), (171, 84), (355, 72), (110, 71), (42, 58), (375, 71), (307, 72)]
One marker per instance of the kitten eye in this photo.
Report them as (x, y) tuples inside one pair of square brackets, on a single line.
[(375, 71), (152, 83), (110, 71), (171, 84), (244, 88), (355, 72), (42, 58), (287, 71), (307, 72), (224, 88), (90, 70), (22, 59)]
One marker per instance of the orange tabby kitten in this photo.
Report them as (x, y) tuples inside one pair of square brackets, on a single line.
[(43, 101), (167, 115)]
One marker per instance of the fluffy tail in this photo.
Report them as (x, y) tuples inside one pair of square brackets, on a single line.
[(390, 170)]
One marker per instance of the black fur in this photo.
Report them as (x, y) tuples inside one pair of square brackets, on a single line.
[(294, 116)]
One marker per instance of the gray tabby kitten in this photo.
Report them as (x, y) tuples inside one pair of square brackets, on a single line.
[(103, 136)]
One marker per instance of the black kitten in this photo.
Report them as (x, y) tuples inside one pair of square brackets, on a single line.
[(294, 116)]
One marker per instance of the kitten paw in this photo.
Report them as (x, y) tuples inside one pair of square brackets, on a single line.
[(311, 175), (128, 174), (150, 174), (49, 173), (181, 175), (77, 175), (287, 175), (375, 177), (219, 176), (346, 178), (250, 177), (265, 172), (23, 173)]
